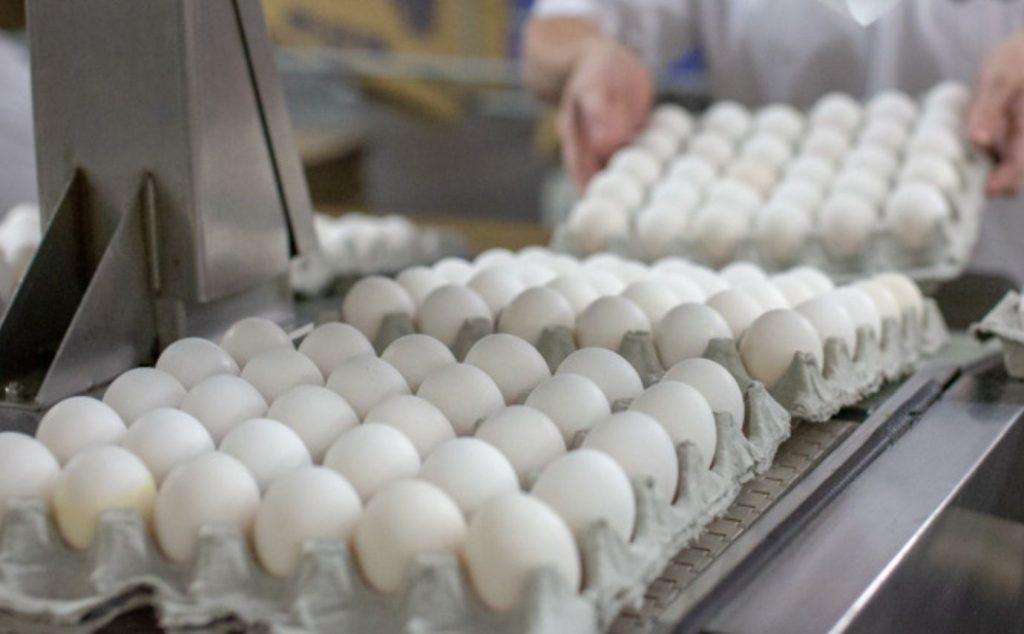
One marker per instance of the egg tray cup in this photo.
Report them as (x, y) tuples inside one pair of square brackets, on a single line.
[(1005, 322), (943, 259)]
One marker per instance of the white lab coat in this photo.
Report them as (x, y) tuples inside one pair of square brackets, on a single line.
[(762, 51)]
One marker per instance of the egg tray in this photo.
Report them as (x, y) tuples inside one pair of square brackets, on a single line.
[(1005, 322), (944, 259)]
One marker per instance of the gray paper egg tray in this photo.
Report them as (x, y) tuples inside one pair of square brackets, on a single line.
[(944, 259), (1006, 323)]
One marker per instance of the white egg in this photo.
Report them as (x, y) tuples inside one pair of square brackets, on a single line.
[(718, 229), (904, 290), (470, 471), (772, 341), (27, 469), (642, 447), (210, 489), (406, 519), (712, 147), (653, 297), (677, 194), (885, 301), (586, 487), (743, 273), (874, 159), (837, 110), (737, 194), (524, 435), (818, 282), (248, 337), (686, 331), (601, 270), (192, 359), (96, 480), (619, 188), (847, 221), (781, 120), (944, 118), (509, 540), (373, 298), (420, 281), (757, 174), (915, 212), (606, 321), (737, 308), (693, 169), (76, 423), (708, 281), (573, 402), (447, 309), (143, 390), (576, 289), (515, 366), (684, 413), (166, 437), (781, 230), (267, 448), (718, 387), (769, 149), (934, 170), (728, 118), (496, 256), (767, 296), (793, 289), (453, 270), (371, 456), (365, 381), (863, 183), (222, 402), (331, 343), (938, 141), (276, 371), (316, 414), (886, 134), (593, 224), (948, 94), (662, 145), (860, 307), (464, 393), (814, 168), (533, 311), (311, 503), (630, 271), (417, 418), (609, 371), (831, 320), (672, 118), (892, 104), (684, 288), (827, 143), (415, 356), (638, 163), (497, 286)]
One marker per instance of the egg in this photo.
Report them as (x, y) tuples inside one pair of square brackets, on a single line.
[(594, 224), (886, 134), (915, 211), (837, 110), (331, 343), (515, 366), (464, 393), (678, 194), (892, 104), (743, 273), (885, 301), (708, 281), (686, 331), (813, 168), (757, 174), (631, 271), (419, 281), (846, 222), (248, 337), (192, 359), (164, 438), (573, 402), (641, 447), (948, 94), (768, 149), (933, 170), (96, 480), (944, 118), (938, 141), (684, 413), (405, 520), (684, 288), (447, 309), (27, 469), (267, 448), (826, 143), (773, 339), (576, 289), (276, 371), (662, 145), (453, 270), (673, 119), (76, 423), (371, 456), (316, 414), (860, 307), (526, 436), (863, 183), (781, 120), (904, 291), (415, 356), (615, 376), (767, 296), (718, 229), (781, 230), (373, 298), (509, 540), (793, 289), (718, 387), (831, 320), (534, 311), (728, 118), (818, 282), (739, 195), (638, 163), (874, 159), (619, 188), (586, 487), (606, 321), (210, 489), (693, 169), (470, 471), (497, 257), (417, 418), (223, 401), (311, 503), (653, 297), (142, 390), (365, 381), (737, 308), (714, 148), (497, 287)]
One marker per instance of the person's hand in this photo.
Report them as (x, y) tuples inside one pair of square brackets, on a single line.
[(995, 121), (606, 100)]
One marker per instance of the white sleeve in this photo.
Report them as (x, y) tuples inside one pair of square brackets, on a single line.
[(658, 30)]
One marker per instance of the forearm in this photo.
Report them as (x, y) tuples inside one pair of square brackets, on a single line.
[(553, 47)]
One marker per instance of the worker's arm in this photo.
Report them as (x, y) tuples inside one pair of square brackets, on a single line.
[(996, 117)]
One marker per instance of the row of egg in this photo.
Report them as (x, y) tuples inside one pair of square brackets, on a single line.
[(20, 235), (855, 170), (356, 237)]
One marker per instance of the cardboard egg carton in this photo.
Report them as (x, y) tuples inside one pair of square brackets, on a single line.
[(1006, 323)]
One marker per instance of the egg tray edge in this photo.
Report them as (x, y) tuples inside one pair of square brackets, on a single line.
[(1005, 322)]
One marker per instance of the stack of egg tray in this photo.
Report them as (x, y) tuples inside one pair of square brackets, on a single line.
[(1006, 323)]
